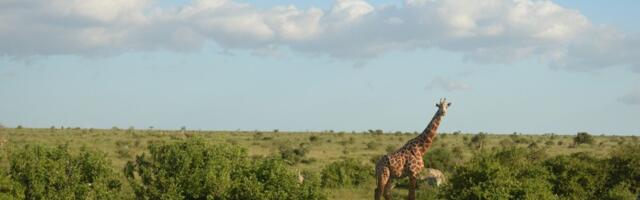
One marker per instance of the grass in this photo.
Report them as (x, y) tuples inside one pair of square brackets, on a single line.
[(322, 147)]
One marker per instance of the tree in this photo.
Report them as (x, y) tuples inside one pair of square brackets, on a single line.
[(583, 138)]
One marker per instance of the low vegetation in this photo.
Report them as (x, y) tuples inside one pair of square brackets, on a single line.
[(75, 163)]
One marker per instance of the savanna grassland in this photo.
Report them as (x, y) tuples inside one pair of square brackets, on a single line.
[(484, 158)]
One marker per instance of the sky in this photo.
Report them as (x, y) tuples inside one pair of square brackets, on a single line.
[(507, 66)]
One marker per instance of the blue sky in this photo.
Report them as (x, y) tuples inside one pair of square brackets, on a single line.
[(525, 66)]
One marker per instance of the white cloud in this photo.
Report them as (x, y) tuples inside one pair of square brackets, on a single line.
[(448, 84), (632, 98), (496, 31)]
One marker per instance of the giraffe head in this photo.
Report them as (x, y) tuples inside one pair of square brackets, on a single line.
[(443, 105)]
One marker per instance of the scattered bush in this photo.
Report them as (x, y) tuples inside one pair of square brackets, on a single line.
[(292, 155), (506, 142), (506, 174), (314, 138), (620, 192), (194, 170), (373, 145), (625, 167), (478, 140), (123, 149), (442, 159), (578, 176), (53, 173), (347, 172), (549, 143), (376, 132), (390, 148), (583, 138)]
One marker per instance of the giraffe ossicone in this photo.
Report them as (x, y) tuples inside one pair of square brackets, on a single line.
[(407, 161)]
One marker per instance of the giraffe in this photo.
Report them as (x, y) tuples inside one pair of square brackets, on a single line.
[(407, 161)]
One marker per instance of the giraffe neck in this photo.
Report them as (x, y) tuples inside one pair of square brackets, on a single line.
[(425, 139)]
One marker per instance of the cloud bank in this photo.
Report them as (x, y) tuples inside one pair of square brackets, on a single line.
[(489, 31)]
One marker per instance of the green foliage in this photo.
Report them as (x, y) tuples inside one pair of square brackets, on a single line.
[(314, 138), (478, 140), (520, 173), (620, 192), (376, 132), (53, 173), (347, 172), (442, 159), (293, 155), (194, 170), (583, 138), (578, 176), (373, 145), (506, 174), (8, 188), (625, 167)]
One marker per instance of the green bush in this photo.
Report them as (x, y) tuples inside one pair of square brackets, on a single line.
[(292, 155), (478, 141), (53, 173), (506, 174), (620, 192), (578, 176), (194, 170), (583, 138), (373, 145), (347, 172), (625, 167), (442, 159), (9, 189)]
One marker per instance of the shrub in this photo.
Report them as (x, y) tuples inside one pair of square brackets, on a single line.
[(549, 143), (53, 173), (478, 141), (583, 138), (506, 174), (347, 172), (123, 149), (620, 192), (625, 167), (577, 176), (194, 170), (9, 189), (506, 142), (373, 145), (390, 148), (314, 138), (442, 159), (292, 155)]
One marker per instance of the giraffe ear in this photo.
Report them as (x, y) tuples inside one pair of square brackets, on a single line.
[(448, 104)]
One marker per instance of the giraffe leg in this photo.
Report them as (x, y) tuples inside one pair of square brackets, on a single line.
[(412, 187), (387, 189), (382, 176)]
